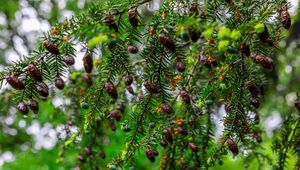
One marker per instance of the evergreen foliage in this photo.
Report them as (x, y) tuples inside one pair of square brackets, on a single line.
[(160, 78)]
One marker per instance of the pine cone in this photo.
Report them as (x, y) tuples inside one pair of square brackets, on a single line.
[(150, 87), (245, 49), (133, 17), (168, 135), (52, 48), (185, 96), (265, 62), (166, 108), (195, 35), (43, 89), (128, 80), (150, 155), (88, 79), (163, 143), (255, 102), (258, 58), (59, 83), (115, 115), (182, 130), (81, 158), (132, 49), (33, 105), (88, 151), (167, 42), (180, 66), (155, 153), (122, 107), (22, 107), (88, 62), (193, 147), (209, 62), (212, 61), (232, 146), (257, 138), (265, 36), (252, 88), (285, 17), (14, 82), (35, 72), (110, 21), (206, 64), (111, 90), (194, 9), (69, 60), (130, 90)]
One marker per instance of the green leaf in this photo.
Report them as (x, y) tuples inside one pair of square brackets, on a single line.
[(259, 28), (97, 40), (208, 33), (235, 35), (223, 45), (224, 33)]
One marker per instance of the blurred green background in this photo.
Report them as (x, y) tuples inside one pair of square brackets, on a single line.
[(35, 143)]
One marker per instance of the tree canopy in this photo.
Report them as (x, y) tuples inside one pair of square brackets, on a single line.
[(150, 84)]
